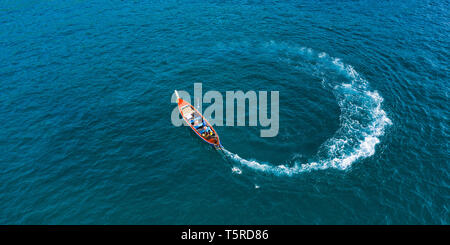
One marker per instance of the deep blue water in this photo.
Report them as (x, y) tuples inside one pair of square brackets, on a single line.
[(85, 106)]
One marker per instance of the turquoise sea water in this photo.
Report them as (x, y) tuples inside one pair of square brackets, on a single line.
[(85, 106)]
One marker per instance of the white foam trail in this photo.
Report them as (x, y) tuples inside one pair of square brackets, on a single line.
[(363, 121), (277, 170)]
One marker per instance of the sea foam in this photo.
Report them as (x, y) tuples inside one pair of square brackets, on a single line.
[(362, 120)]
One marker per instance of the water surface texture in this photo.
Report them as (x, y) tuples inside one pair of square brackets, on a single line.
[(85, 107)]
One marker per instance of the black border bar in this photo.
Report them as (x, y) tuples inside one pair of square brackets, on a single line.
[(228, 233)]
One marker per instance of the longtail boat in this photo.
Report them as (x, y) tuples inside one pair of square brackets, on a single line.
[(198, 123)]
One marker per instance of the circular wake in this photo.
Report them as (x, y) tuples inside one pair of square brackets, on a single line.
[(362, 120)]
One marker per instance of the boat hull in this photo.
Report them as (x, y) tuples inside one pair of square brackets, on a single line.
[(213, 141)]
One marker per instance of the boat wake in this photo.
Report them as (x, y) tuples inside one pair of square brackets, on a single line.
[(362, 119)]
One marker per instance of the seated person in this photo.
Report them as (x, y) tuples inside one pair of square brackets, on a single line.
[(199, 126)]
